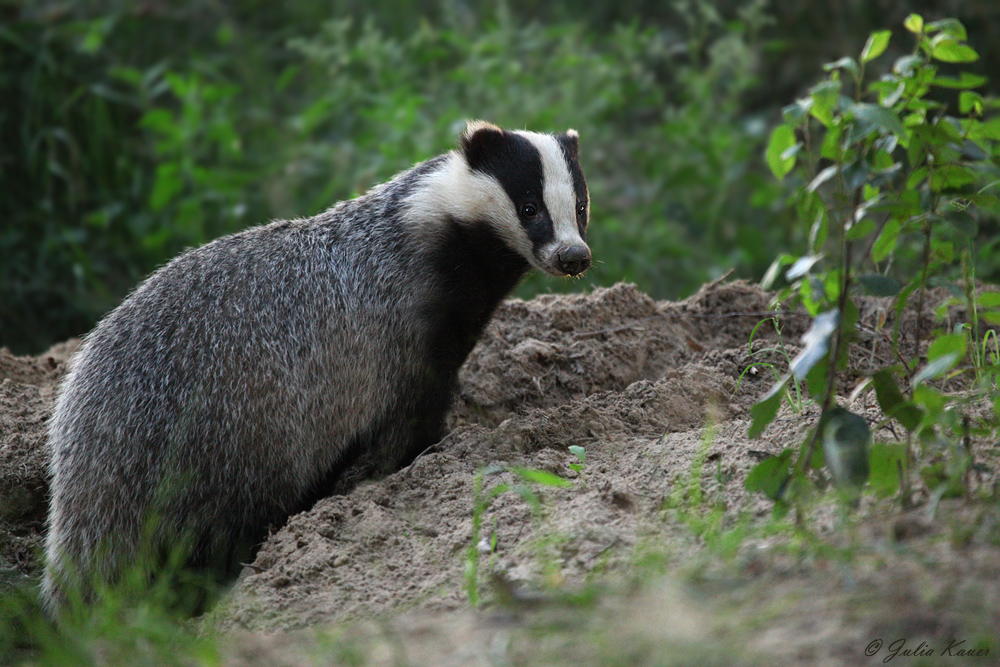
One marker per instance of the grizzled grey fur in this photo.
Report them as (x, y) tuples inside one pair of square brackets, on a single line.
[(234, 384)]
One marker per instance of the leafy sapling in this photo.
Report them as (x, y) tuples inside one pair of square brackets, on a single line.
[(891, 186)]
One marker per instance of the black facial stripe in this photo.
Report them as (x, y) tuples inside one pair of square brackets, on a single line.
[(517, 165), (570, 149)]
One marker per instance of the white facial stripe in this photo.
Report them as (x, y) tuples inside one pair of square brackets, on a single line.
[(559, 194), (456, 191)]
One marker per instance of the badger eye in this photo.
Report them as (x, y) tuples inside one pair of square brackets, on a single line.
[(529, 210), (581, 208)]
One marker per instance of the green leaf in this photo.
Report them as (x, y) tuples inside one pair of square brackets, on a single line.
[(988, 300), (970, 102), (947, 50), (816, 380), (847, 63), (881, 117), (878, 285), (771, 475), (168, 184), (579, 452), (797, 111), (951, 176), (159, 120), (914, 23), (951, 27), (936, 368), (885, 462), (822, 177), (986, 203), (886, 241), (830, 148), (542, 477), (989, 129), (916, 178), (846, 439), (940, 483), (889, 96), (802, 266), (876, 45), (930, 399), (818, 232), (816, 343), (942, 250), (860, 229), (963, 82), (824, 96), (765, 410), (773, 271), (950, 344), (892, 402), (782, 138)]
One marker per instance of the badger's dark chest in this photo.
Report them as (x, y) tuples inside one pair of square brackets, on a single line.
[(474, 271)]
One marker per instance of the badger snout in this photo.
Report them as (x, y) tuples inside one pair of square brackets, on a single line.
[(573, 260)]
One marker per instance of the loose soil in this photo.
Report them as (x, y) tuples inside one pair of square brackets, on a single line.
[(659, 395)]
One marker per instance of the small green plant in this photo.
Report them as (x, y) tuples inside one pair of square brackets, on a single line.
[(481, 500), (581, 454), (793, 393), (891, 188)]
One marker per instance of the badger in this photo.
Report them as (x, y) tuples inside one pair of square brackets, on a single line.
[(233, 385)]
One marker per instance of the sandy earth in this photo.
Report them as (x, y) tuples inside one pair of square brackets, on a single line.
[(649, 389)]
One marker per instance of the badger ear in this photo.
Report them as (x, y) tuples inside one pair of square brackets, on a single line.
[(479, 140), (570, 141)]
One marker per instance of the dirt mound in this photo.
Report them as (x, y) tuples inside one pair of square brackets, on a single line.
[(556, 349), (629, 379)]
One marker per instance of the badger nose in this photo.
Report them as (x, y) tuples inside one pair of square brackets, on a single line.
[(573, 260)]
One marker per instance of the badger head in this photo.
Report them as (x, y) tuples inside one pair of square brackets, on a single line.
[(526, 186), (544, 212)]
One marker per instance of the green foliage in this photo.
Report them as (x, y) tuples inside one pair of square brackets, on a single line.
[(892, 188), (134, 621), (128, 154), (665, 156), (119, 166)]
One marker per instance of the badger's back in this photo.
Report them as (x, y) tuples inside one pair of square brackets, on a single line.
[(222, 392)]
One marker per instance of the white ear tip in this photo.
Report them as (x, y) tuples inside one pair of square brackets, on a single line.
[(572, 134), (474, 126)]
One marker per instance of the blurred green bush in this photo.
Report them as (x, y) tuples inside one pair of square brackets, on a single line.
[(132, 130)]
